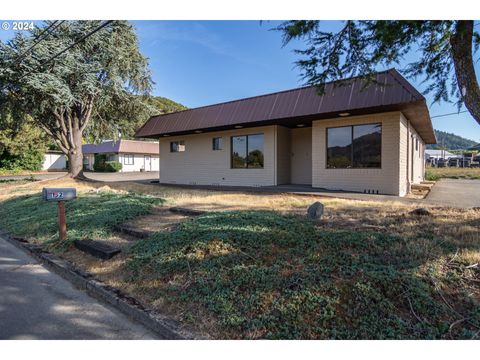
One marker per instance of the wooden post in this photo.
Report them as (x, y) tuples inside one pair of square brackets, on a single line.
[(62, 224)]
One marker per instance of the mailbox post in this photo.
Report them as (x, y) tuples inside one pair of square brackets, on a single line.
[(60, 195)]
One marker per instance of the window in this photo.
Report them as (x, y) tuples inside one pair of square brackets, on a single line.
[(356, 146), (247, 151), (177, 146), (128, 159), (217, 143)]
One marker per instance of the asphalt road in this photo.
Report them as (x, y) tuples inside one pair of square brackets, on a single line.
[(38, 304), (455, 192)]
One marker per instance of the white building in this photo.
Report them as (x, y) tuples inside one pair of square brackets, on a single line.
[(54, 161), (133, 155), (438, 154)]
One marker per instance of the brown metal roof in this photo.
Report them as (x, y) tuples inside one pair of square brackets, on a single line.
[(390, 92), (122, 146)]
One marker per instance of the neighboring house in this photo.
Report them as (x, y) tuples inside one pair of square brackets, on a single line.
[(438, 154), (54, 161), (133, 155), (355, 138)]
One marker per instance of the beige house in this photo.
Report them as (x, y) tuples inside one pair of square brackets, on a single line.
[(132, 154), (354, 138)]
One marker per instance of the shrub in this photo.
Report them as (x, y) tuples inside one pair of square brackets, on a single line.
[(112, 166), (30, 159), (431, 176), (99, 162)]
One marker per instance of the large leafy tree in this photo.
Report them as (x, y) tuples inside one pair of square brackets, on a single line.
[(95, 82), (444, 53)]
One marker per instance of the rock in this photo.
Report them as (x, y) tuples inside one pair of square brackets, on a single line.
[(315, 211), (420, 212)]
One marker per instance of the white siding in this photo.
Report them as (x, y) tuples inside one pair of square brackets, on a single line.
[(139, 162), (54, 161), (200, 165)]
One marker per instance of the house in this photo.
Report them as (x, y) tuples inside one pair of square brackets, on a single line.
[(54, 161), (438, 154), (357, 136), (132, 154)]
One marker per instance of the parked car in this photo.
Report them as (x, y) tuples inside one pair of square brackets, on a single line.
[(454, 162), (441, 163)]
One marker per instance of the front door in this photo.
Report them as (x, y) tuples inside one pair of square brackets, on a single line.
[(147, 163)]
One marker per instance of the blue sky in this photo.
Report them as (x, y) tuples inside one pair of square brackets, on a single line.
[(198, 63), (203, 62)]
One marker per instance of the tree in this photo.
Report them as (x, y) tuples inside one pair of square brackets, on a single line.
[(129, 122), (94, 82), (445, 54), (21, 148)]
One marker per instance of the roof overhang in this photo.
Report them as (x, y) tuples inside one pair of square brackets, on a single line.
[(416, 113)]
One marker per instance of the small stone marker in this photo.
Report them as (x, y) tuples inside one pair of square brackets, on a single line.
[(315, 211), (420, 212)]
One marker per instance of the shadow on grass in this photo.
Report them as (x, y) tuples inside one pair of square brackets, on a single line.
[(259, 274)]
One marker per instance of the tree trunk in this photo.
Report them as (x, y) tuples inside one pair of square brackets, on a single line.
[(75, 155), (461, 44)]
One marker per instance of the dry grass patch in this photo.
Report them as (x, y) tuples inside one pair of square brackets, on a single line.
[(433, 173)]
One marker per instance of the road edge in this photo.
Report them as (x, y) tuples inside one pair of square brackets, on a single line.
[(164, 327)]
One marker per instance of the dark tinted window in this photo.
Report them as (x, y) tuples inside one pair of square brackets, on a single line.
[(247, 151), (339, 147), (217, 143), (255, 151), (367, 146), (358, 146), (177, 146), (239, 152)]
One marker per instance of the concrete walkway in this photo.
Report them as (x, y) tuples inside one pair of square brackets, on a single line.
[(455, 192), (38, 304)]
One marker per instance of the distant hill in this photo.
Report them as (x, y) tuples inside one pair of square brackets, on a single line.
[(164, 105), (451, 141)]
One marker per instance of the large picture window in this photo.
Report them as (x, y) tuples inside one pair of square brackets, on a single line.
[(358, 146), (247, 151)]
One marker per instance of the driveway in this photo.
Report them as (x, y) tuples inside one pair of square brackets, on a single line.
[(455, 192), (144, 177), (38, 304), (39, 176)]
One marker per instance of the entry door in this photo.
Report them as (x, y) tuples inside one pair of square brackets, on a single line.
[(147, 162)]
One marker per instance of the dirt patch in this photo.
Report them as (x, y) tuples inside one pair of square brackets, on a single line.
[(161, 219)]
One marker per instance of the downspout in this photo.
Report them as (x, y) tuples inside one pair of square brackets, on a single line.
[(408, 157)]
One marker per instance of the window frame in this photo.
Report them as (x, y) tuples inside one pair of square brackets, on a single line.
[(128, 156), (246, 157), (180, 142), (352, 149), (221, 145)]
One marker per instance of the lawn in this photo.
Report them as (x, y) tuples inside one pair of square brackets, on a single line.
[(260, 274), (91, 216), (434, 174), (256, 267)]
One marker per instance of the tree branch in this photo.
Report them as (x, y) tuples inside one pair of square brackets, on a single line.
[(461, 43)]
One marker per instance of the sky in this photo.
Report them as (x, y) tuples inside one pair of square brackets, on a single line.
[(199, 63)]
